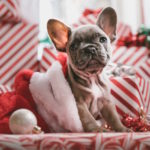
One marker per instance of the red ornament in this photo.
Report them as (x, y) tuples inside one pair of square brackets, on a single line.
[(134, 40), (137, 124)]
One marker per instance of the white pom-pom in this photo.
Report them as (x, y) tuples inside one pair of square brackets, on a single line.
[(22, 121)]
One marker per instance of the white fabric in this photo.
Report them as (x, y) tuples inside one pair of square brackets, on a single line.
[(55, 101)]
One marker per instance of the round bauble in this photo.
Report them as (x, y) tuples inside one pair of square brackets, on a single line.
[(22, 121)]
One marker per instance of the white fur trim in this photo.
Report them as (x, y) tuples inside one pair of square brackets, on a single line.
[(55, 101)]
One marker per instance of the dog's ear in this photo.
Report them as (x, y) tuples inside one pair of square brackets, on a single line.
[(107, 21), (59, 33)]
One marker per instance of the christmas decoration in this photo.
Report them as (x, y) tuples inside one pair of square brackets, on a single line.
[(120, 70), (142, 38), (22, 121), (46, 40), (137, 124)]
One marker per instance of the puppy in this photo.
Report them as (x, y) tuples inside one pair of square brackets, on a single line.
[(89, 49)]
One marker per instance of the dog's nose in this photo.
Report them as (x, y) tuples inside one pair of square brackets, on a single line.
[(91, 49)]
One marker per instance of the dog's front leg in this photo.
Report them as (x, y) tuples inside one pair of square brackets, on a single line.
[(111, 116), (88, 121)]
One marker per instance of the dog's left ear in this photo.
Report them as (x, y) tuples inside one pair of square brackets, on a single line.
[(107, 21), (59, 33)]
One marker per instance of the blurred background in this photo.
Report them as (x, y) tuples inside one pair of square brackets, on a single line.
[(131, 12), (21, 20)]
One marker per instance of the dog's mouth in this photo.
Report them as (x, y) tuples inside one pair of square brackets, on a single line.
[(94, 66), (91, 66), (93, 63)]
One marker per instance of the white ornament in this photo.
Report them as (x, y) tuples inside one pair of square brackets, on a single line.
[(22, 121)]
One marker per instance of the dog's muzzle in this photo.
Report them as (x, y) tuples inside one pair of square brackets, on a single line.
[(91, 58), (91, 50)]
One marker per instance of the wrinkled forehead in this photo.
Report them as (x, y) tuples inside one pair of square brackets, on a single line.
[(87, 32)]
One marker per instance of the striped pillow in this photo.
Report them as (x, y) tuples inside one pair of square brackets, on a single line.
[(9, 11)]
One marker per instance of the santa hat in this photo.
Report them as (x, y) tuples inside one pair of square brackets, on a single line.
[(47, 95)]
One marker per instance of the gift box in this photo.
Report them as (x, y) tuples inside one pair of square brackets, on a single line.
[(19, 41), (9, 11), (134, 56), (143, 70), (18, 49), (74, 141)]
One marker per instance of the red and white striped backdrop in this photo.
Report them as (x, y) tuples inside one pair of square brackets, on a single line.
[(48, 57), (130, 94), (144, 88), (4, 89), (133, 56), (143, 70), (78, 141), (9, 10), (18, 49)]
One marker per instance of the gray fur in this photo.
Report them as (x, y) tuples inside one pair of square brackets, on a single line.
[(89, 50)]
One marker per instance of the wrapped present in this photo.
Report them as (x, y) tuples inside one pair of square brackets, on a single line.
[(133, 50), (143, 70), (19, 41), (18, 49), (48, 57), (129, 95), (74, 141), (132, 56), (9, 11), (137, 57), (4, 89)]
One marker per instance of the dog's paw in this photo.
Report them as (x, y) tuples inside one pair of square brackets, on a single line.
[(128, 130), (124, 129), (100, 129)]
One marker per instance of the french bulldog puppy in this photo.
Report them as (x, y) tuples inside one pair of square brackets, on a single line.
[(89, 49)]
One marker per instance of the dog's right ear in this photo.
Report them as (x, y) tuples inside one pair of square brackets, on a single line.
[(59, 33)]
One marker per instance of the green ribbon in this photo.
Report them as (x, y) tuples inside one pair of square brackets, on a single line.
[(46, 40), (144, 30)]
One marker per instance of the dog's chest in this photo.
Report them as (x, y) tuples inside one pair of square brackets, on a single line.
[(96, 90), (96, 94)]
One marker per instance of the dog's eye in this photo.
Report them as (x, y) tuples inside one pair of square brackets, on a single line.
[(103, 39), (72, 47)]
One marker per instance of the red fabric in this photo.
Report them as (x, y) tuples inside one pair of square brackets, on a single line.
[(21, 84), (62, 58), (91, 11), (20, 98)]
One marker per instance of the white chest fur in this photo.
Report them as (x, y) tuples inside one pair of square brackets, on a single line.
[(97, 94), (95, 89)]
